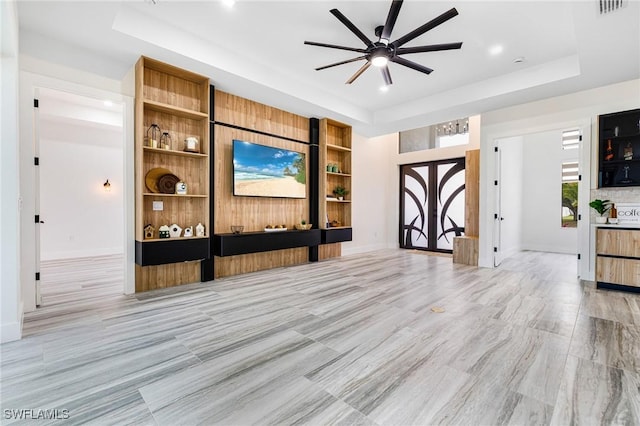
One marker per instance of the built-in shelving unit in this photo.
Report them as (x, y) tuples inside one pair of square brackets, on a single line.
[(335, 151), (178, 102), (619, 149)]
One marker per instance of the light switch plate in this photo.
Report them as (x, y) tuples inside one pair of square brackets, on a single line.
[(158, 206)]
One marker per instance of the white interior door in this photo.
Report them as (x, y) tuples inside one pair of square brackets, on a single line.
[(585, 270), (39, 220), (497, 223)]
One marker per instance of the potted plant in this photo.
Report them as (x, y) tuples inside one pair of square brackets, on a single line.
[(601, 207), (340, 192)]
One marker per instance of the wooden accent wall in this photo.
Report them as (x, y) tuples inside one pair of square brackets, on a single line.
[(465, 249), (169, 275), (254, 213), (328, 251), (472, 193)]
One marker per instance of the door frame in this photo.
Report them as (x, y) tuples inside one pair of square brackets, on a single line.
[(29, 85), (586, 263)]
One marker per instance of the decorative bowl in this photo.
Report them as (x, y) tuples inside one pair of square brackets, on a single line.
[(237, 229), (304, 227)]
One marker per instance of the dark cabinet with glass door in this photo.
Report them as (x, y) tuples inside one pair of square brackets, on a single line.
[(619, 149)]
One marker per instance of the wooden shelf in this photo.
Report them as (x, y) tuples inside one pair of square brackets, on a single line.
[(338, 201), (158, 194), (338, 148), (174, 110), (155, 240), (173, 152), (339, 174)]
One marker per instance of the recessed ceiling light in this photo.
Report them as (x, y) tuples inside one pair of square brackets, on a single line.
[(108, 103), (518, 60), (496, 49), (228, 3), (384, 88)]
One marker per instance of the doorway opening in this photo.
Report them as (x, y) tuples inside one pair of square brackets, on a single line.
[(80, 197), (540, 187)]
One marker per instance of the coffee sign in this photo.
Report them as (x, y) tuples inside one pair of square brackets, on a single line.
[(628, 213)]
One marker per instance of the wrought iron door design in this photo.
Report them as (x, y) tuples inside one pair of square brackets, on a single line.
[(431, 204)]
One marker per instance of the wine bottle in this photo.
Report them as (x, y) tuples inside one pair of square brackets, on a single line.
[(628, 152), (608, 156)]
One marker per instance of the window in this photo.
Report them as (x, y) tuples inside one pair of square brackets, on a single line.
[(441, 135), (571, 139), (570, 194)]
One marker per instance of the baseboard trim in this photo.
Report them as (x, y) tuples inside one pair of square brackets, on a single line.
[(362, 249), (13, 330)]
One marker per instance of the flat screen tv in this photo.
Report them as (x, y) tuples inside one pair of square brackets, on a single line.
[(265, 171)]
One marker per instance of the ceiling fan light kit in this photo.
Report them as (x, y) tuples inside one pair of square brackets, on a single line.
[(380, 53)]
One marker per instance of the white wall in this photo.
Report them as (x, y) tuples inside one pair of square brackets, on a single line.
[(81, 219), (577, 109), (371, 191), (511, 194), (542, 187), (10, 297)]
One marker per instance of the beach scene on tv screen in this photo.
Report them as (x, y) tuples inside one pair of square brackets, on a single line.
[(264, 171)]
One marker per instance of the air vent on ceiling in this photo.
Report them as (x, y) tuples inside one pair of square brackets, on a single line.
[(608, 6)]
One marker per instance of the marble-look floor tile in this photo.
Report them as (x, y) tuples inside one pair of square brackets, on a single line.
[(233, 383), (594, 394), (612, 305), (351, 340), (607, 342)]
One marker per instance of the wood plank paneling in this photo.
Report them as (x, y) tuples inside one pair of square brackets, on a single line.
[(231, 109), (254, 213), (235, 265), (327, 251), (472, 194), (163, 276), (465, 250)]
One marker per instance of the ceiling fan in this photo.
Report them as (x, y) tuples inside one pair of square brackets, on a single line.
[(381, 52)]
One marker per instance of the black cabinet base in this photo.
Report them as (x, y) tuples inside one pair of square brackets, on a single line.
[(256, 242), (171, 251), (620, 287), (336, 235)]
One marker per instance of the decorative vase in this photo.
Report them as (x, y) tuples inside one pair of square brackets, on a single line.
[(199, 230), (601, 219)]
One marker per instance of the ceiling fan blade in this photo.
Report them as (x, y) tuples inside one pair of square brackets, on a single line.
[(430, 48), (426, 27), (394, 10), (411, 64), (386, 75), (358, 73), (353, 28), (334, 46), (359, 58)]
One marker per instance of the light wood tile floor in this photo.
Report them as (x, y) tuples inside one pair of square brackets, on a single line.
[(347, 341)]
